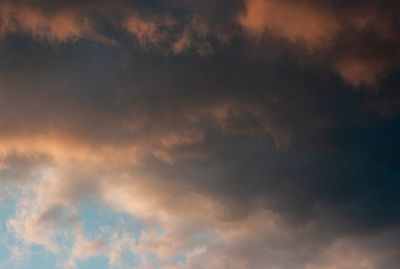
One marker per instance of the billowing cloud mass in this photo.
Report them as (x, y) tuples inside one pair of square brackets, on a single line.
[(246, 134)]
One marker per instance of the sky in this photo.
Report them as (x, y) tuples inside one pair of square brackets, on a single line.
[(213, 134)]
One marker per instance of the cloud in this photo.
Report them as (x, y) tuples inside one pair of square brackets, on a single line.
[(337, 33), (230, 161), (55, 27), (357, 71), (148, 31), (298, 22), (44, 209), (352, 33), (59, 22)]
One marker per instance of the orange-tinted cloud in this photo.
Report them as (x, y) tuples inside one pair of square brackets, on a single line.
[(356, 37), (60, 26), (148, 31), (360, 71), (365, 33), (296, 21)]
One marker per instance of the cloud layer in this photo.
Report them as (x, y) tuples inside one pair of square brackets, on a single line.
[(358, 38), (232, 131)]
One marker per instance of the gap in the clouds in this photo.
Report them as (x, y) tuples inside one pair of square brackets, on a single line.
[(14, 253), (129, 260), (7, 207), (39, 258), (104, 223), (98, 218), (179, 259), (99, 262)]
